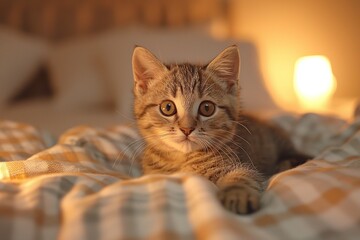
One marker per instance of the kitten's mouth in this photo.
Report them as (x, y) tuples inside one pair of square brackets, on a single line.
[(188, 145), (186, 140)]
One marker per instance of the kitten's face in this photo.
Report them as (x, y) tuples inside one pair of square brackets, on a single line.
[(186, 107)]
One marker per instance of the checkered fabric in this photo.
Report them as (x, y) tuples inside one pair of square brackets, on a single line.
[(89, 186)]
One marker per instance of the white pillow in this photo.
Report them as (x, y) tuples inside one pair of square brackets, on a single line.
[(20, 57), (77, 75)]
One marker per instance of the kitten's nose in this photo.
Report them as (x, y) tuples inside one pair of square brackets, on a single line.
[(187, 131)]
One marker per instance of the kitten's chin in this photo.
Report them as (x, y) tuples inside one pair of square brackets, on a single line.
[(184, 146), (188, 146)]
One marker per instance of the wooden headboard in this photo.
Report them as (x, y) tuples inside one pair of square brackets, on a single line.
[(59, 19)]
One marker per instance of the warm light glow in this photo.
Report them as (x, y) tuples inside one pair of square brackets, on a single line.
[(4, 172), (314, 82)]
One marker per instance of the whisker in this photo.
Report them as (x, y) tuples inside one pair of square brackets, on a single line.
[(123, 116), (235, 135), (210, 142), (123, 152), (242, 125), (236, 144), (227, 151), (129, 148), (139, 149)]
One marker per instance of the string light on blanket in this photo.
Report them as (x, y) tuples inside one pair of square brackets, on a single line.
[(314, 82), (4, 171)]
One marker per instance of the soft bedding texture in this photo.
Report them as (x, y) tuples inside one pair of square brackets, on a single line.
[(89, 186)]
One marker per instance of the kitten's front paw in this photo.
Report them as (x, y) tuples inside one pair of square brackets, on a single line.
[(240, 198)]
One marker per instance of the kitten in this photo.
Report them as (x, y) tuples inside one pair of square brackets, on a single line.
[(189, 116)]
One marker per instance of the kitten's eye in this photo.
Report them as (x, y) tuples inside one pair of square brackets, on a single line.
[(167, 108), (207, 108)]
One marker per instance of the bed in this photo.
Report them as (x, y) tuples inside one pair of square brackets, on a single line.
[(62, 181), (89, 185)]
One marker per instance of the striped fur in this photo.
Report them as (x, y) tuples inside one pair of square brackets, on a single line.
[(235, 151)]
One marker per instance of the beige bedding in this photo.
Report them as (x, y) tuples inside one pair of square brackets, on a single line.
[(89, 186)]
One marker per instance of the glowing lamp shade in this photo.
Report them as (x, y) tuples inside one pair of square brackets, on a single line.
[(314, 82)]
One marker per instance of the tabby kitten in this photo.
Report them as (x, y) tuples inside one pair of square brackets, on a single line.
[(189, 116)]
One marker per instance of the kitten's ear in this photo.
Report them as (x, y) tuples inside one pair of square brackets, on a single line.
[(146, 67), (226, 66)]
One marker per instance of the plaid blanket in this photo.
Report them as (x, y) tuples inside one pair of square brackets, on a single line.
[(89, 186)]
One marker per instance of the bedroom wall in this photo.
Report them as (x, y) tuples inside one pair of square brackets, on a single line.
[(285, 30)]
